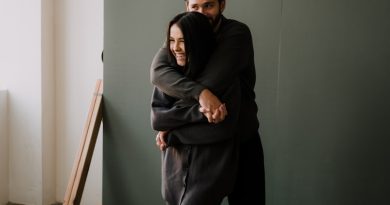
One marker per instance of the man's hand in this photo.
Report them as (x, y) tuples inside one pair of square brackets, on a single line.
[(212, 107), (161, 140)]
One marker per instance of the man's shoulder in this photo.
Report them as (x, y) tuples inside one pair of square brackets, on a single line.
[(233, 25), (233, 22)]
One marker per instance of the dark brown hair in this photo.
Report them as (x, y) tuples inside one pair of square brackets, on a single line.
[(199, 40), (218, 0)]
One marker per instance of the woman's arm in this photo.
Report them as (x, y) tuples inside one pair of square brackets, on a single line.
[(172, 82), (169, 113)]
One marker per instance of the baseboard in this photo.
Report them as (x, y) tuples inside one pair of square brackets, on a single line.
[(11, 203)]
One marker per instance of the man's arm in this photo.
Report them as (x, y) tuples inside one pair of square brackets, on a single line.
[(230, 58), (205, 133), (232, 51), (174, 83)]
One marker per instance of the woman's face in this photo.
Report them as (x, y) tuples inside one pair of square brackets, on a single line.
[(176, 44)]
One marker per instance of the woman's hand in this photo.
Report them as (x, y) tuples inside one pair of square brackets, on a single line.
[(161, 140)]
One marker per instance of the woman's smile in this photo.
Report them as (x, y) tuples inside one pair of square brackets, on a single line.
[(176, 43)]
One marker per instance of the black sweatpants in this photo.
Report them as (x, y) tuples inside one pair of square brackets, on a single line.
[(250, 185)]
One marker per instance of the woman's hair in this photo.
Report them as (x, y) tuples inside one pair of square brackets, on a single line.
[(199, 40), (218, 0)]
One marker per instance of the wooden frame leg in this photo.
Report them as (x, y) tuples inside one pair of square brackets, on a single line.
[(88, 140)]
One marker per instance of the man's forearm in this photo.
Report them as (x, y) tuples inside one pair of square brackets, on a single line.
[(174, 83)]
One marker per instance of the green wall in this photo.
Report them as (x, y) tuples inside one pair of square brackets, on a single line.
[(323, 73)]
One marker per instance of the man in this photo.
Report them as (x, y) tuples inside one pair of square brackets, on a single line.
[(232, 58)]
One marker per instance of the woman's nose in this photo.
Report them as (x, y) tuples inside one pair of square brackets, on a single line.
[(176, 46)]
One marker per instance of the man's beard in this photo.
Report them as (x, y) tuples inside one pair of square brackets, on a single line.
[(214, 22)]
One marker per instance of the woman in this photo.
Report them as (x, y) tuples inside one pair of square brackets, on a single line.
[(193, 170)]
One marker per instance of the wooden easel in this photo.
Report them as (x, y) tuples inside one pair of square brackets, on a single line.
[(88, 140)]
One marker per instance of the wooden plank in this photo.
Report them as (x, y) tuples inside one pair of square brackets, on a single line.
[(88, 140)]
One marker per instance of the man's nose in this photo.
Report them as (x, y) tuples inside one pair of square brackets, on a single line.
[(201, 10)]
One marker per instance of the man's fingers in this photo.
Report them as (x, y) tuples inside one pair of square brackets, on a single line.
[(209, 116), (223, 109), (217, 116), (203, 110), (208, 100)]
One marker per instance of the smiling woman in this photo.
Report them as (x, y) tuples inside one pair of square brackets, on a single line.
[(190, 41), (176, 45)]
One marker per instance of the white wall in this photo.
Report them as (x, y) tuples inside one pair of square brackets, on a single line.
[(79, 43), (20, 68), (49, 61), (3, 147)]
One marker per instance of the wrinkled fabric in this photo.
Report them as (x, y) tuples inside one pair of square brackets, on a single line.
[(200, 165)]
